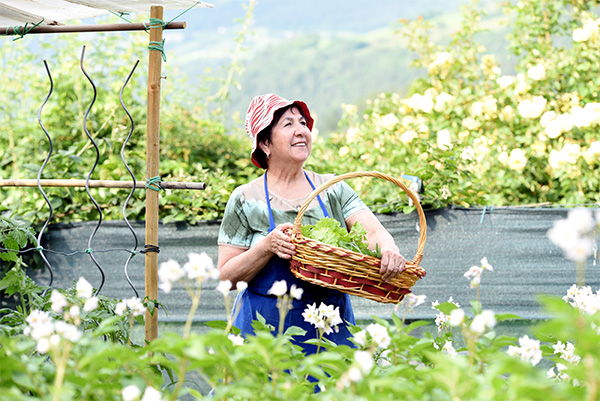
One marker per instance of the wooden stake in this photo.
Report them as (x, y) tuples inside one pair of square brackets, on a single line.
[(152, 170), (11, 182)]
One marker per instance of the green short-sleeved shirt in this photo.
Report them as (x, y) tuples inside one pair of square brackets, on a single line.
[(246, 217)]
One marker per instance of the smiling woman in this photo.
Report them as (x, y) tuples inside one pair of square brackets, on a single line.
[(254, 238)]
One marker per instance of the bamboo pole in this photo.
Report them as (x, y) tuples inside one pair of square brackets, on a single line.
[(135, 26), (152, 170), (99, 184)]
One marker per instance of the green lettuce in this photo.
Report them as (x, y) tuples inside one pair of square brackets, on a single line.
[(329, 231)]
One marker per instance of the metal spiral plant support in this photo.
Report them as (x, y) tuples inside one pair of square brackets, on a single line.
[(133, 251), (39, 177), (87, 181)]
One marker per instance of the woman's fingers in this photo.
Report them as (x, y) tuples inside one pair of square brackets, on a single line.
[(281, 242), (392, 264)]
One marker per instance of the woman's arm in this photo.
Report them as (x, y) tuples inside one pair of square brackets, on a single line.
[(238, 264), (392, 262)]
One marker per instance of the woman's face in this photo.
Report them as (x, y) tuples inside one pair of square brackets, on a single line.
[(291, 140)]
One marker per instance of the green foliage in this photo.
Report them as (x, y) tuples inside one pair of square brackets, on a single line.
[(329, 231), (391, 361)]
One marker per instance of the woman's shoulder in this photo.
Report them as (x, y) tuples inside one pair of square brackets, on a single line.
[(249, 191), (319, 179)]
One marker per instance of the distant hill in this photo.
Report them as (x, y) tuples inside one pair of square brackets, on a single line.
[(325, 52)]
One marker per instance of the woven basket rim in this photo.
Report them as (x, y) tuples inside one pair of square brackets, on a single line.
[(297, 225)]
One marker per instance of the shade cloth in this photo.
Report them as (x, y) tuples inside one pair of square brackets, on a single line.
[(526, 263), (53, 12)]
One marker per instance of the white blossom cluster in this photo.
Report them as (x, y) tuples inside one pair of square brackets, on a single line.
[(411, 301), (325, 318), (133, 393), (441, 319), (377, 333), (361, 365), (474, 273), (132, 305), (589, 31), (48, 332), (583, 299), (528, 350), (576, 235), (447, 348), (479, 324), (279, 289), (199, 267)]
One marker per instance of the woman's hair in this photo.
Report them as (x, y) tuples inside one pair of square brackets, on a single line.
[(265, 134)]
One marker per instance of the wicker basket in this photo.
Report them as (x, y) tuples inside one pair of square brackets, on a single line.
[(348, 271)]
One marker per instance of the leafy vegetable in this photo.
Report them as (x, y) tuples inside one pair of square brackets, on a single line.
[(329, 231)]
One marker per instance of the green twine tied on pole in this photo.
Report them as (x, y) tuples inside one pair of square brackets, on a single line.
[(154, 184), (88, 250), (159, 46), (21, 31)]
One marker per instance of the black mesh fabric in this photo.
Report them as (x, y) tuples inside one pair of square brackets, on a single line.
[(513, 239)]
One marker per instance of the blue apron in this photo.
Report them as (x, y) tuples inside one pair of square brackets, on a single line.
[(255, 298)]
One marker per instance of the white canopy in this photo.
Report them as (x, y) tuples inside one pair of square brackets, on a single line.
[(54, 12)]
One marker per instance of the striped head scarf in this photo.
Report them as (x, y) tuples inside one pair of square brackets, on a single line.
[(260, 115)]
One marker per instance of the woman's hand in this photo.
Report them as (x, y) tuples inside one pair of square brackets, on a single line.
[(392, 263), (279, 241)]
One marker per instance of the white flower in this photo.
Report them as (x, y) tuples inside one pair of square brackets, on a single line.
[(58, 301), (325, 318), (389, 121), (443, 139), (136, 306), (408, 136), (530, 350), (379, 334), (566, 352), (361, 338), (442, 101), (505, 81), (483, 321), (170, 272), (448, 348), (532, 108), (224, 287), (236, 339), (517, 159), (91, 304), (151, 394), (120, 308), (364, 361), (296, 292), (279, 288), (456, 317), (412, 300), (84, 289), (241, 286), (37, 317), (43, 345), (166, 286), (537, 72), (420, 102), (199, 266), (131, 393), (467, 153), (310, 314)]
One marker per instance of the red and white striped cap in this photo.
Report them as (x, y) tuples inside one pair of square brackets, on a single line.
[(260, 115)]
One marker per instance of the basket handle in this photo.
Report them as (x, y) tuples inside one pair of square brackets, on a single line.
[(297, 227)]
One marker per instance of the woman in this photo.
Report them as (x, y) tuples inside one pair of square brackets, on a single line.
[(254, 244)]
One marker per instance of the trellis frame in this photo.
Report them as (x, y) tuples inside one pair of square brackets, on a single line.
[(152, 150)]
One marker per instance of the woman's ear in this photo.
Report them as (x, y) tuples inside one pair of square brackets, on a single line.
[(264, 147)]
